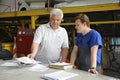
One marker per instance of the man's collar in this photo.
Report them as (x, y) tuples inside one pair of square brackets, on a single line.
[(48, 25)]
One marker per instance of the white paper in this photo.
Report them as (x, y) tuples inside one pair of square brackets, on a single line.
[(61, 64), (26, 60), (38, 67), (9, 64), (59, 75)]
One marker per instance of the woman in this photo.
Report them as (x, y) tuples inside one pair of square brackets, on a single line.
[(88, 46)]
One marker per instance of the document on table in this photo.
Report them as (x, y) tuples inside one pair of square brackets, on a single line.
[(7, 64), (38, 67), (27, 60), (59, 75), (61, 65)]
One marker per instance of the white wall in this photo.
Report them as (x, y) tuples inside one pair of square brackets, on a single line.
[(85, 2), (9, 5)]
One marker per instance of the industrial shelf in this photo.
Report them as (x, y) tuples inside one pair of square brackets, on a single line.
[(91, 8), (34, 16)]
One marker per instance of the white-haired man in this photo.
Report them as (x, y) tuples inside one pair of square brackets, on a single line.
[(50, 43)]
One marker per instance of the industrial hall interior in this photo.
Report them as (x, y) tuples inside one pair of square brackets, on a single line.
[(32, 33)]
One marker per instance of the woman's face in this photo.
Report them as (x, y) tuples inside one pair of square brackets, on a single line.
[(55, 21), (79, 26)]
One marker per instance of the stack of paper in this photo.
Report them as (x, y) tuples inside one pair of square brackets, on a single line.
[(59, 75), (9, 64), (26, 60), (60, 65), (38, 67)]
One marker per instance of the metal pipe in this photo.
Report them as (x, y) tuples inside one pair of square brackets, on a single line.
[(6, 5)]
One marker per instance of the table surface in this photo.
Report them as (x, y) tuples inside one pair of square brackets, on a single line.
[(22, 73)]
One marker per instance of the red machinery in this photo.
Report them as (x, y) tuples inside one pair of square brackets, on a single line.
[(24, 40)]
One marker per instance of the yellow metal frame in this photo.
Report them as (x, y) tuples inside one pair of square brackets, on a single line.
[(90, 8), (34, 14), (33, 19), (97, 22)]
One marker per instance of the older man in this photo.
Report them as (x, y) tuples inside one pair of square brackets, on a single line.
[(50, 43)]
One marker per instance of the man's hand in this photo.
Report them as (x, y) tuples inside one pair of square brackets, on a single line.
[(31, 56), (93, 70)]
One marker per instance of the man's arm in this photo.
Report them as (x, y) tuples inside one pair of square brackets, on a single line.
[(73, 55), (64, 54), (94, 50), (34, 49)]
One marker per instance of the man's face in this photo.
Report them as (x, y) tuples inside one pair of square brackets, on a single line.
[(55, 21), (79, 26)]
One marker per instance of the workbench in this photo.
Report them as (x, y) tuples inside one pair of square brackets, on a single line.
[(22, 73)]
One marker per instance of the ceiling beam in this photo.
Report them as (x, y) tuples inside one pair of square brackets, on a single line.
[(39, 12)]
